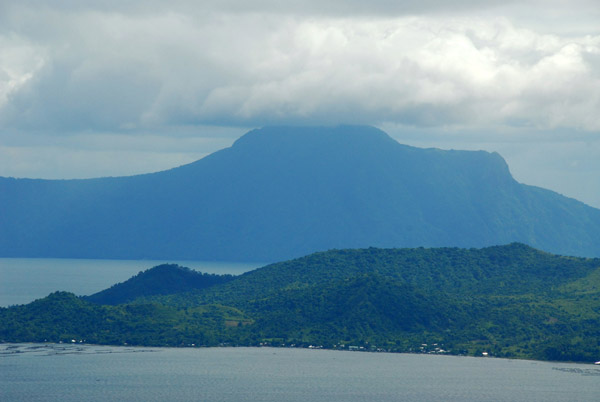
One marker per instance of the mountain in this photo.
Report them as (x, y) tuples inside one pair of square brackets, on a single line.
[(283, 192), (511, 301), (161, 280)]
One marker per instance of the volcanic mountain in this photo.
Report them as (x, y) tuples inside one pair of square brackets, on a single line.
[(283, 192)]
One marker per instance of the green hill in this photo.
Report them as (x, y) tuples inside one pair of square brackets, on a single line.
[(161, 280), (510, 301)]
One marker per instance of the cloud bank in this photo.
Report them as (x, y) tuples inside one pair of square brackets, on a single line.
[(100, 70)]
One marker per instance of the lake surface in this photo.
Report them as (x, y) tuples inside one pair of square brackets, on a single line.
[(37, 372), (23, 280)]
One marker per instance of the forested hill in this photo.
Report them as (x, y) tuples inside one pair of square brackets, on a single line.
[(511, 301), (284, 192), (161, 280), (454, 272)]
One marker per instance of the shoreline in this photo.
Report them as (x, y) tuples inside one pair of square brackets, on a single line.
[(84, 348)]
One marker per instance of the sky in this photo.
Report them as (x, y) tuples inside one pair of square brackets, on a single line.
[(112, 88)]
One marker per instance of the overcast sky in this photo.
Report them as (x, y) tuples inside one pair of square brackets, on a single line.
[(121, 88)]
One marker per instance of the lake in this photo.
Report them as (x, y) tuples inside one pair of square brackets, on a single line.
[(38, 372), (23, 280)]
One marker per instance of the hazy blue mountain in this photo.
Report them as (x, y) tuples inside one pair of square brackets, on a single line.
[(283, 192)]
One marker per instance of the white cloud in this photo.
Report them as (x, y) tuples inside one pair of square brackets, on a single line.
[(19, 61), (123, 72)]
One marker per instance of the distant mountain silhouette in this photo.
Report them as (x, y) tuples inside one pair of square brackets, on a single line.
[(283, 192)]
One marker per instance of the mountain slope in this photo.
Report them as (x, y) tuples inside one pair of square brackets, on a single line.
[(161, 280), (282, 192)]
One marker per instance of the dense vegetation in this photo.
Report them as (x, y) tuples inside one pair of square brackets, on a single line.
[(511, 301), (161, 280)]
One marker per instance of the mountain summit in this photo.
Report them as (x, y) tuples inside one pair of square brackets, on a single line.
[(282, 192)]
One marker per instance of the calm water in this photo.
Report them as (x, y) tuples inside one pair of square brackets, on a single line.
[(96, 373), (23, 280)]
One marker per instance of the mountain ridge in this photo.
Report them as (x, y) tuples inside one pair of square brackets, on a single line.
[(283, 192)]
